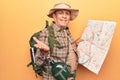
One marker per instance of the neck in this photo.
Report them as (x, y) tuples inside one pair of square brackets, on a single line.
[(62, 27)]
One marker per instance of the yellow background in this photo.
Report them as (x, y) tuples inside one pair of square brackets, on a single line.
[(19, 19)]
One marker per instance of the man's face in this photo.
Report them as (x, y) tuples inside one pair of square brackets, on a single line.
[(61, 18)]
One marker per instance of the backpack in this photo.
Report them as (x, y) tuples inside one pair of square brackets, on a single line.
[(60, 70)]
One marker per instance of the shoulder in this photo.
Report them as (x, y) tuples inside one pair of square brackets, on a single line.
[(44, 32)]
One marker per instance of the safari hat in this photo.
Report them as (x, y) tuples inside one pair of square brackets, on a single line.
[(64, 6)]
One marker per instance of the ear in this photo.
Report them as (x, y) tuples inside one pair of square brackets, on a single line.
[(54, 17)]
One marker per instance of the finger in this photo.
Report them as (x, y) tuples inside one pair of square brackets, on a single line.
[(36, 40), (40, 45), (35, 45)]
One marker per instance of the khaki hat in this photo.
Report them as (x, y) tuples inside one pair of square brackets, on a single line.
[(64, 6)]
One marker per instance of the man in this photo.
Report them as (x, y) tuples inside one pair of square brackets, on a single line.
[(61, 14)]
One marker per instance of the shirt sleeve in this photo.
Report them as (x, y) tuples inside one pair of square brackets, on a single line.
[(39, 55)]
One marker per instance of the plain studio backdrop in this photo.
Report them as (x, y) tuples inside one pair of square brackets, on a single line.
[(19, 19)]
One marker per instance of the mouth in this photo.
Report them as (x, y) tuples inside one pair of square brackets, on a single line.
[(63, 20)]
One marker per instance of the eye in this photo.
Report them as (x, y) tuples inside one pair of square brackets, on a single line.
[(67, 13), (59, 12)]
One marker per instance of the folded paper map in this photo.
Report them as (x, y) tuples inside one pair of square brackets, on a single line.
[(93, 49)]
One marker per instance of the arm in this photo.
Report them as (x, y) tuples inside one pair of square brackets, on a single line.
[(41, 52), (41, 46)]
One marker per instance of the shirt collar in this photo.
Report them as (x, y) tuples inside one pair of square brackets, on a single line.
[(56, 28)]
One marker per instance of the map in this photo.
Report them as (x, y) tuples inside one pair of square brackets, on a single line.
[(96, 37)]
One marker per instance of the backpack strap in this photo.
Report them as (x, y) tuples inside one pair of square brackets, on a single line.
[(51, 38)]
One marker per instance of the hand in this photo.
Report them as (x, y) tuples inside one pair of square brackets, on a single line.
[(40, 45), (78, 40)]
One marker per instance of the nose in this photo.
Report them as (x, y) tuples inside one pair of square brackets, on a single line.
[(64, 15)]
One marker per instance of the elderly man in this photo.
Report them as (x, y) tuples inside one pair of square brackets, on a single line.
[(66, 50)]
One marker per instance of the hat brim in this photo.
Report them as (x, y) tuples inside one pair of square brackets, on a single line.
[(73, 15)]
